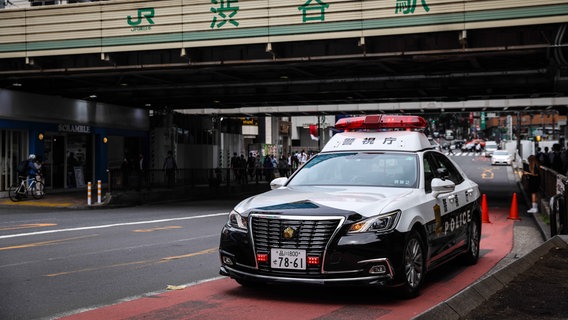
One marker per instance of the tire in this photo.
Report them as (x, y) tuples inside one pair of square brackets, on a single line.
[(414, 266), (38, 190), (471, 256), (13, 193)]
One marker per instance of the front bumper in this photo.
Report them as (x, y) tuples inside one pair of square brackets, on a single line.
[(340, 281), (348, 260)]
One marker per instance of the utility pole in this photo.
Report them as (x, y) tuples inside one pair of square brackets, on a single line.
[(519, 145), (319, 135)]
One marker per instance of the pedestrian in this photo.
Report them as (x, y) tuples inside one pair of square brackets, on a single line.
[(243, 170), (545, 160), (303, 157), (295, 161), (170, 167), (533, 182), (141, 170), (268, 168), (542, 156), (556, 159), (283, 166), (31, 169), (251, 164), (235, 167), (71, 164), (257, 169)]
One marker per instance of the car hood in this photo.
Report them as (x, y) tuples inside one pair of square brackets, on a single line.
[(366, 201)]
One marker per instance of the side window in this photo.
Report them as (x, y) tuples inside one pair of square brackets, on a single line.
[(453, 173), (429, 172)]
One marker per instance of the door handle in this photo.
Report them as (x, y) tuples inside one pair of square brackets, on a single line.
[(452, 198)]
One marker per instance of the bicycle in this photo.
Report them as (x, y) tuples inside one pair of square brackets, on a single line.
[(35, 188)]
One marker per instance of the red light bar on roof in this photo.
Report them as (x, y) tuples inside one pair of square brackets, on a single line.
[(381, 122)]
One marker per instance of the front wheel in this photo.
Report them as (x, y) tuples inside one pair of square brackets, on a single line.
[(471, 256), (414, 266), (37, 190), (13, 193)]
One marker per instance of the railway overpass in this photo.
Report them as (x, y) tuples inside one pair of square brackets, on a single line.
[(337, 55)]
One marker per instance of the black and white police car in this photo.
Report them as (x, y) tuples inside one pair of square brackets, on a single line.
[(373, 208)]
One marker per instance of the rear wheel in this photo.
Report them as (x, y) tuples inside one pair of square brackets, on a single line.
[(13, 193), (413, 266), (37, 190)]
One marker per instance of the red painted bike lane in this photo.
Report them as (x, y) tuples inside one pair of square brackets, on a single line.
[(225, 299)]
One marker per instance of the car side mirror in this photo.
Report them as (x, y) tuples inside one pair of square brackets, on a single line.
[(278, 182), (440, 186)]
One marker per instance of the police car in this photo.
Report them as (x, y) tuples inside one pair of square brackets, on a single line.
[(373, 208)]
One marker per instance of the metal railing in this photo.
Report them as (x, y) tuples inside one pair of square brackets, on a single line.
[(553, 186)]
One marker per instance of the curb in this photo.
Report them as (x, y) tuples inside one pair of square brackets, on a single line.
[(473, 296)]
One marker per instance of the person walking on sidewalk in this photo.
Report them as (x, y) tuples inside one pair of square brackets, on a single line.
[(170, 167), (533, 182)]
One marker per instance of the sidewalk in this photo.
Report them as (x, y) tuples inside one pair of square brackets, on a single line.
[(78, 199), (532, 241)]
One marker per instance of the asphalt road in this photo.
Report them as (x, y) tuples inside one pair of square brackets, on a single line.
[(55, 262)]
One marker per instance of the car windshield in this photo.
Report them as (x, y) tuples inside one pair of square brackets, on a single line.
[(501, 153), (376, 169)]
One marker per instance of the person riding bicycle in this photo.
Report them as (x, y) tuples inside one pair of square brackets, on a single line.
[(32, 169)]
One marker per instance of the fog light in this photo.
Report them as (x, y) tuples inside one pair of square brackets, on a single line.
[(378, 269), (262, 257), (313, 261), (227, 260)]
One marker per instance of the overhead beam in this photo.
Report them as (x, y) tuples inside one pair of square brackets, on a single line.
[(503, 105)]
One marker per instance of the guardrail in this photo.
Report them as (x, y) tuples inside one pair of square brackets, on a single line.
[(554, 186)]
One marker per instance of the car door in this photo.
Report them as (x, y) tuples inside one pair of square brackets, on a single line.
[(448, 231), (456, 205)]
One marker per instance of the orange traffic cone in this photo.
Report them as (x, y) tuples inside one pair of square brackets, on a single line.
[(484, 211), (514, 213)]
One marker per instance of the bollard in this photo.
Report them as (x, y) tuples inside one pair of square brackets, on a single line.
[(89, 193), (99, 191)]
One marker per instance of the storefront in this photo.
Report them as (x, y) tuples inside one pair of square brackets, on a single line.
[(86, 139)]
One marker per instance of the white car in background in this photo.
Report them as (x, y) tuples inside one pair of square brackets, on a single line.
[(502, 157), (490, 148)]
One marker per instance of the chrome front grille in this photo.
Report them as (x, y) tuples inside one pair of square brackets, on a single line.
[(310, 234)]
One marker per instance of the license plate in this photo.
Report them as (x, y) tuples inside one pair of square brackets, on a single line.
[(288, 259)]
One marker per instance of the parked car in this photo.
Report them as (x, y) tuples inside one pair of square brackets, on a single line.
[(371, 209), (502, 157)]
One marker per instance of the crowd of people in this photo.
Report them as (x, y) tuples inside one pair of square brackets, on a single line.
[(257, 168), (555, 158)]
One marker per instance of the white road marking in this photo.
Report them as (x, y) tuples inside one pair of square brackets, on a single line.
[(111, 225)]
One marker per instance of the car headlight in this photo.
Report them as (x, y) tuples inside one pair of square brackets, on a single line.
[(381, 223), (237, 221)]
